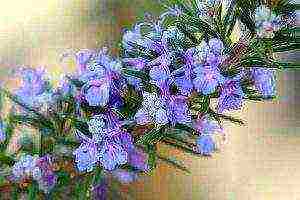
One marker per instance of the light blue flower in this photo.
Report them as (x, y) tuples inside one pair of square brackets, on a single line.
[(112, 154), (2, 132), (86, 155), (205, 125), (207, 79), (264, 81), (231, 97), (96, 92), (205, 145), (124, 176)]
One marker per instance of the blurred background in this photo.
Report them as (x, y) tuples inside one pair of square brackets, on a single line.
[(260, 161)]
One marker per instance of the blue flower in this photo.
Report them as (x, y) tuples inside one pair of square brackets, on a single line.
[(33, 87), (152, 110), (112, 154), (185, 85), (264, 81), (133, 38), (96, 92), (136, 63), (177, 110), (231, 97), (86, 155), (205, 145), (82, 57), (24, 167), (99, 191), (216, 46), (205, 125), (124, 176), (2, 132), (136, 157), (207, 79), (107, 145), (66, 88)]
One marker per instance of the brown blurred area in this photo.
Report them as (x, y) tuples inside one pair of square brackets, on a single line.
[(260, 161)]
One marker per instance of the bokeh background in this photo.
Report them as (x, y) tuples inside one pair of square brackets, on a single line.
[(261, 161)]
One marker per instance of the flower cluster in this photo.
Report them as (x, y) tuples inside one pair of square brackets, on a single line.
[(267, 23), (35, 90), (101, 77), (38, 168), (109, 146), (174, 83)]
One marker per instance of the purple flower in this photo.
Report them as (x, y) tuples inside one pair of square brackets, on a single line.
[(66, 88), (112, 153), (207, 79), (33, 87), (205, 145), (133, 38), (205, 125), (24, 167), (46, 178), (106, 146), (231, 97), (264, 81), (82, 57), (86, 155), (136, 157), (177, 110), (136, 63), (124, 176), (160, 76), (213, 60), (216, 46), (99, 191), (2, 132), (96, 92), (152, 110), (103, 80), (185, 85)]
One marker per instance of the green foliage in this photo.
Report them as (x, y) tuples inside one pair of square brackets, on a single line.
[(174, 163)]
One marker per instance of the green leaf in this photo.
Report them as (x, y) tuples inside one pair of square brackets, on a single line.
[(153, 136), (6, 159), (76, 82), (33, 190), (174, 163), (151, 150), (136, 73), (219, 117), (181, 147)]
